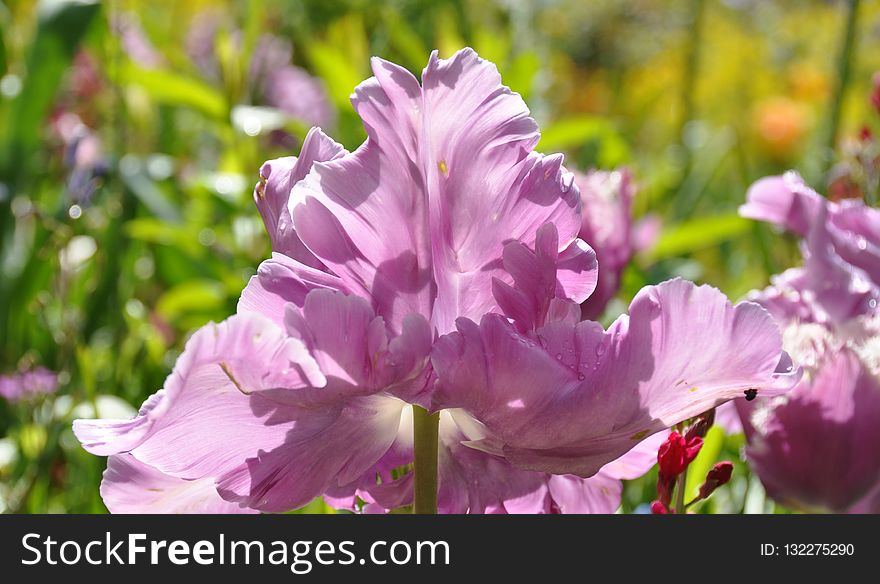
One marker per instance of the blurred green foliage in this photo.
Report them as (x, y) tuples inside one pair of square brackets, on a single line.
[(699, 98)]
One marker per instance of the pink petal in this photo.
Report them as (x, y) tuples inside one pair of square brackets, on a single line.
[(322, 450), (282, 280), (222, 366), (277, 419), (819, 448), (271, 194), (598, 494), (354, 349), (130, 486), (574, 397), (785, 200), (542, 276), (426, 175)]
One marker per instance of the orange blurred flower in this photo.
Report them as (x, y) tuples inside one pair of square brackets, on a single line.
[(780, 124)]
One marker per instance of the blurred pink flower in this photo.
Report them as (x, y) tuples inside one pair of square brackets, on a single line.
[(23, 385), (127, 27), (607, 226), (83, 156)]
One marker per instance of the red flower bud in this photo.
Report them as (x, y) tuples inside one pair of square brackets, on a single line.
[(701, 427), (665, 487), (658, 508), (719, 475)]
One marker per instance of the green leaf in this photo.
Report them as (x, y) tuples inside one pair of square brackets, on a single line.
[(3, 25), (405, 40), (157, 231), (337, 71), (151, 196), (697, 234), (61, 26), (194, 296), (570, 133), (520, 75), (172, 89), (708, 456)]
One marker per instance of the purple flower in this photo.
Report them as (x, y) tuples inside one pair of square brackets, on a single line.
[(608, 227), (819, 446), (24, 385), (127, 27), (298, 94), (287, 87), (385, 260), (200, 42), (840, 278), (83, 156)]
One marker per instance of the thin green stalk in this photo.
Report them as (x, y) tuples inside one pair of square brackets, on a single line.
[(844, 67), (426, 433), (691, 65), (688, 107), (680, 488)]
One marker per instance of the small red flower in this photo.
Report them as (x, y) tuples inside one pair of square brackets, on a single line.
[(677, 453)]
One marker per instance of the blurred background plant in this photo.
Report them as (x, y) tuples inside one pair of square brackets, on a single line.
[(131, 135)]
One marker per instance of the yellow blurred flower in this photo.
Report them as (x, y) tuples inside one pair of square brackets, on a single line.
[(808, 82)]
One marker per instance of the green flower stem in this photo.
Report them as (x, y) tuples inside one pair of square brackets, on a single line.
[(680, 488), (426, 433)]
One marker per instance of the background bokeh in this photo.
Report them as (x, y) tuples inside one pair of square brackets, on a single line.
[(131, 134)]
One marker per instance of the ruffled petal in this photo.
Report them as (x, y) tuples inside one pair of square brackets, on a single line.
[(841, 248), (542, 276), (598, 494), (354, 349), (282, 280), (322, 450), (223, 368), (272, 193), (819, 446), (786, 201), (427, 174), (570, 399), (479, 164), (130, 486), (252, 408), (601, 493)]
